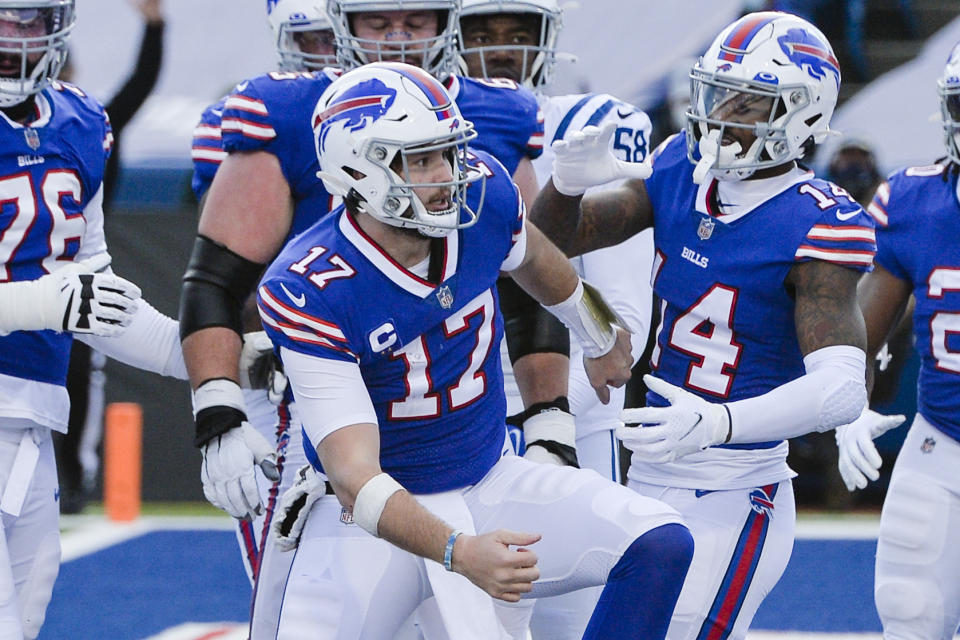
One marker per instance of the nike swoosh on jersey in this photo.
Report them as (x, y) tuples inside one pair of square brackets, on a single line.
[(217, 112), (299, 301), (624, 116), (242, 86), (846, 216)]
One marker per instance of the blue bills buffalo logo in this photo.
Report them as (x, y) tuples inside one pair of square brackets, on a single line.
[(761, 502), (807, 52), (356, 108)]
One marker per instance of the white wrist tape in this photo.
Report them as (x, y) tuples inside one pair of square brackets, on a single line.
[(831, 393), (371, 499), (219, 392), (590, 318), (23, 308)]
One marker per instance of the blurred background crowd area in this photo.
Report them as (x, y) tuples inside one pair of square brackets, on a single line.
[(891, 53)]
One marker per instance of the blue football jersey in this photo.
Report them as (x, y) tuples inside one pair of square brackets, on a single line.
[(507, 118), (727, 330), (918, 224), (51, 171), (428, 353)]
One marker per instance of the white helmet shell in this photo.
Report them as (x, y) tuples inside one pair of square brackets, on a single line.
[(539, 60), (766, 55), (948, 86), (36, 32), (435, 54), (291, 21), (365, 126)]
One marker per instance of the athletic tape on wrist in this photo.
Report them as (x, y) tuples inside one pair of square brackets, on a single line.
[(371, 500), (590, 319), (448, 550)]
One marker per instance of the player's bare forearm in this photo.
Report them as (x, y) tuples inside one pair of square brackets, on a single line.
[(883, 297), (579, 225), (545, 273), (212, 353), (826, 311)]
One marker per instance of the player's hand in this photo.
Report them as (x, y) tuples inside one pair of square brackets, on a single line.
[(231, 449), (663, 434), (549, 432), (585, 159), (294, 507), (260, 368), (488, 562), (611, 369), (859, 459), (78, 299)]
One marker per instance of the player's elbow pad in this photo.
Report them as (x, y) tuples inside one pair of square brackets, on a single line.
[(215, 284), (840, 372)]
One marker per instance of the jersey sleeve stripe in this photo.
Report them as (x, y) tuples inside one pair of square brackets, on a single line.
[(838, 256), (298, 335), (842, 234), (878, 213), (199, 154), (536, 140), (599, 114), (298, 317), (242, 103), (207, 132), (249, 129)]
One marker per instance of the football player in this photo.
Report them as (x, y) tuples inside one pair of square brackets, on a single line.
[(385, 316), (517, 40), (265, 191), (757, 263), (56, 140), (917, 211)]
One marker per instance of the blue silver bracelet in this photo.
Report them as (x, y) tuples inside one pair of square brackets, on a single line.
[(448, 551)]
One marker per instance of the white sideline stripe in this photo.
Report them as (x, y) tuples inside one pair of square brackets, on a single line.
[(206, 631), (89, 534), (865, 528), (808, 635)]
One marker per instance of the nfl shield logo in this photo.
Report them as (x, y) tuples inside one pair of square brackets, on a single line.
[(705, 230), (346, 515), (32, 138), (928, 445), (445, 296)]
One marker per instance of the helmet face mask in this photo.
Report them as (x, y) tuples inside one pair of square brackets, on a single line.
[(375, 126), (434, 53), (33, 46), (531, 64), (948, 87), (761, 95), (302, 34)]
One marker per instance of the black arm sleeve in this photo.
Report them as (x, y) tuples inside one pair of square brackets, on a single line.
[(215, 285), (131, 97), (528, 326)]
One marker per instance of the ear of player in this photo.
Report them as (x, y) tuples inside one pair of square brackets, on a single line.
[(687, 425), (859, 459), (586, 160)]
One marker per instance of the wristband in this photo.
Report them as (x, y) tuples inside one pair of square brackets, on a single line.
[(448, 550), (371, 499)]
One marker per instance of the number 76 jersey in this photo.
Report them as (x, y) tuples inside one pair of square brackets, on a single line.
[(727, 330)]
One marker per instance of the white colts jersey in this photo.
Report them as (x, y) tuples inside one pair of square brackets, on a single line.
[(622, 272)]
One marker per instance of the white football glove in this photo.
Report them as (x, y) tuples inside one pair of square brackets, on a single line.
[(228, 470), (260, 368), (294, 507), (859, 458), (585, 159), (231, 449), (549, 433), (73, 298), (663, 434)]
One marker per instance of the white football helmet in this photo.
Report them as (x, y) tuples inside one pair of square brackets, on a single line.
[(365, 126), (436, 55), (949, 89), (33, 38), (539, 60), (293, 20), (768, 56)]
